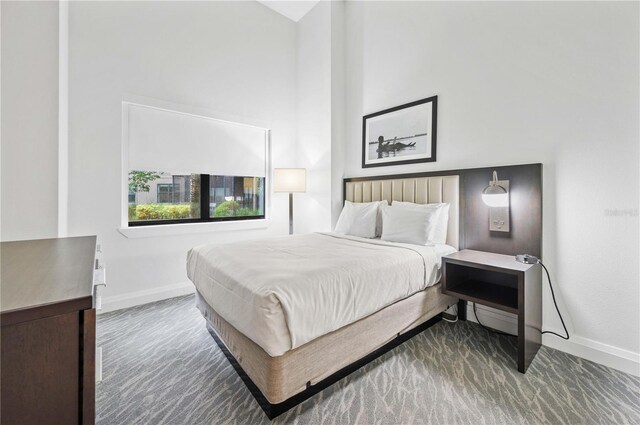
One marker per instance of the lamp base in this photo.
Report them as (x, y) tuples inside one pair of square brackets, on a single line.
[(290, 213)]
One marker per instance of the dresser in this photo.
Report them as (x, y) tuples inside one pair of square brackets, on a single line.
[(48, 331)]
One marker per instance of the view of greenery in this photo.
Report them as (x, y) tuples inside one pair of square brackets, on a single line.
[(233, 209), (139, 180), (173, 204), (159, 211)]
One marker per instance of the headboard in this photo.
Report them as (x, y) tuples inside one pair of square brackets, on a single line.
[(421, 190), (468, 216)]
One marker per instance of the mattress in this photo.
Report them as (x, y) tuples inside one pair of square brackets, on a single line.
[(284, 292)]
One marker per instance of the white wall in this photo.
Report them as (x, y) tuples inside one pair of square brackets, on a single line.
[(320, 115), (521, 82), (29, 120), (338, 91), (236, 59), (312, 210)]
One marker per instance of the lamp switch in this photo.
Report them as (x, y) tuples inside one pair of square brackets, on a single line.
[(499, 217)]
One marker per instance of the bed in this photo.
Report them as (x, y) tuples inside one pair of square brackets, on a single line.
[(295, 314)]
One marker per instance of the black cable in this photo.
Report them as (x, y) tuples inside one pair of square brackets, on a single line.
[(489, 329), (556, 305), (553, 296)]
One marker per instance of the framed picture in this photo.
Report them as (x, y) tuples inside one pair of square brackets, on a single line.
[(405, 134)]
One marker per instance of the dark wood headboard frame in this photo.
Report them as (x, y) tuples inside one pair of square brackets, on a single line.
[(525, 192)]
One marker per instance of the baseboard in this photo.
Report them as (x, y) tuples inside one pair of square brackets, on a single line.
[(131, 299), (604, 354), (494, 319)]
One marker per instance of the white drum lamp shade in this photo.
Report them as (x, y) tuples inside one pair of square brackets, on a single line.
[(289, 180)]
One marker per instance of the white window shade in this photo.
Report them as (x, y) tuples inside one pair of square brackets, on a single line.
[(163, 140)]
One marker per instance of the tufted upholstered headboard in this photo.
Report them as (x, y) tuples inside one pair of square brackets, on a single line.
[(421, 190)]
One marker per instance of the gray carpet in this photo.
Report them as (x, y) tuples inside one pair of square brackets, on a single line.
[(161, 366)]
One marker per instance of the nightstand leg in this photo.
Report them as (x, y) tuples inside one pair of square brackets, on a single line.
[(522, 366), (462, 310)]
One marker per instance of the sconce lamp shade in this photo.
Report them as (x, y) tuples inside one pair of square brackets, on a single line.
[(289, 180), (495, 195)]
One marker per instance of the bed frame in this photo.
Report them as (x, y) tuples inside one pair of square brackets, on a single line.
[(421, 188), (273, 410)]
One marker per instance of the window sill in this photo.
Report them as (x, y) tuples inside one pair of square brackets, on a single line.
[(192, 228)]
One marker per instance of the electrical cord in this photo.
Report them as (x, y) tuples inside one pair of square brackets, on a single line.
[(489, 329), (553, 296), (528, 259), (456, 313)]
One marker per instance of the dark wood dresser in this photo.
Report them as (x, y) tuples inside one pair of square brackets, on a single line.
[(48, 327)]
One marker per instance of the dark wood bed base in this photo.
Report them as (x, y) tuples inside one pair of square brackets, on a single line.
[(273, 410)]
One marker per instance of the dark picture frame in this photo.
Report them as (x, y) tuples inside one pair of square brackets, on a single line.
[(404, 134)]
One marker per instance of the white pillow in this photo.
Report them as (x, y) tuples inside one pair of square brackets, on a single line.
[(359, 219), (408, 225), (439, 234)]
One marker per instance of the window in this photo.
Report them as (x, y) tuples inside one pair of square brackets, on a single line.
[(161, 197), (231, 196), (175, 192), (222, 167), (165, 193)]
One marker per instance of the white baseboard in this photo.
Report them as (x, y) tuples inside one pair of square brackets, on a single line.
[(608, 355), (604, 354), (132, 299), (494, 319)]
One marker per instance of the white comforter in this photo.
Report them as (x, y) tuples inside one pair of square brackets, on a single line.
[(283, 292)]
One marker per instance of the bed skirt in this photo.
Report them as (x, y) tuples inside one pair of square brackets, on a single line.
[(282, 377)]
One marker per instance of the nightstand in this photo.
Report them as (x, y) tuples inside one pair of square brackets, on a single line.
[(500, 282)]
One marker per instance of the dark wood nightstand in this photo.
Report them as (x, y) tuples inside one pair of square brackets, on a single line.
[(500, 282)]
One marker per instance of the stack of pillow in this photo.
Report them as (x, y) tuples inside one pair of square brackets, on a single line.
[(419, 224)]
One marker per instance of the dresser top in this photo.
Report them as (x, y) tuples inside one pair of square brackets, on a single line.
[(45, 272)]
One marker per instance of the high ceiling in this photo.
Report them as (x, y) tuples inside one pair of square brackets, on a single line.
[(293, 10)]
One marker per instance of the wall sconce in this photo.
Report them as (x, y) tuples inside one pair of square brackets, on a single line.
[(290, 180), (496, 196)]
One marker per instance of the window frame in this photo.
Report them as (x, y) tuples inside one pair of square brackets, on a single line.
[(190, 226), (204, 209)]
